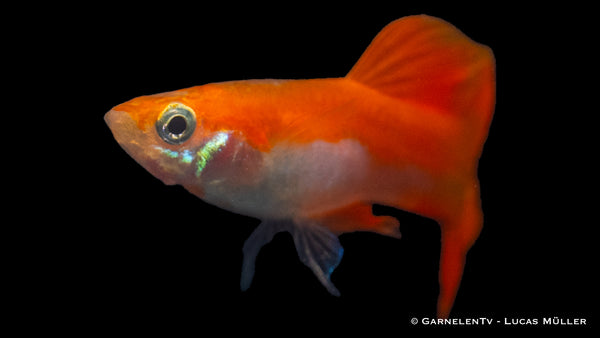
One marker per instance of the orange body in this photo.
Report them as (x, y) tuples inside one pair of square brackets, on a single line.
[(404, 128)]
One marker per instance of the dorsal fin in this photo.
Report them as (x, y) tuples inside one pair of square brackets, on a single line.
[(428, 61)]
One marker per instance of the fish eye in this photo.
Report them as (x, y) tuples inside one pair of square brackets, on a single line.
[(176, 124)]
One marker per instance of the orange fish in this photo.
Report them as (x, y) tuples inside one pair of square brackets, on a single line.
[(404, 128)]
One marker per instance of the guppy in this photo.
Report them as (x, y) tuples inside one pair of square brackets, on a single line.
[(404, 128)]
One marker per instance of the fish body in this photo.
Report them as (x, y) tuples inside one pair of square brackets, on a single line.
[(404, 128)]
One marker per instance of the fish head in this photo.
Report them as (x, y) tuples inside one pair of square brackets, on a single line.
[(160, 132), (177, 137)]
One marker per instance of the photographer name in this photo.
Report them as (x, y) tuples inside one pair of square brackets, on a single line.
[(483, 321)]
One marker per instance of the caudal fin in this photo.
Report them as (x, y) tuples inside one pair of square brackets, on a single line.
[(429, 63), (426, 60)]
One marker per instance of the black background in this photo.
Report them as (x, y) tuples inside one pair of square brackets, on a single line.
[(118, 247)]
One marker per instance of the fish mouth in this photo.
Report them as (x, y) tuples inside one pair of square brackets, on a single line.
[(111, 117), (119, 121), (123, 128), (137, 143)]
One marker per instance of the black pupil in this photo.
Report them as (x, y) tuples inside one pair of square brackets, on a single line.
[(177, 125)]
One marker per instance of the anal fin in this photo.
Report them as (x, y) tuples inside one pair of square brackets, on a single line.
[(359, 217)]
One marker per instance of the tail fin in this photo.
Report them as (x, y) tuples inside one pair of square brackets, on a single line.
[(459, 232), (428, 61)]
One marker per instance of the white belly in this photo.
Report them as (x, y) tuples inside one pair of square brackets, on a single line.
[(297, 180)]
